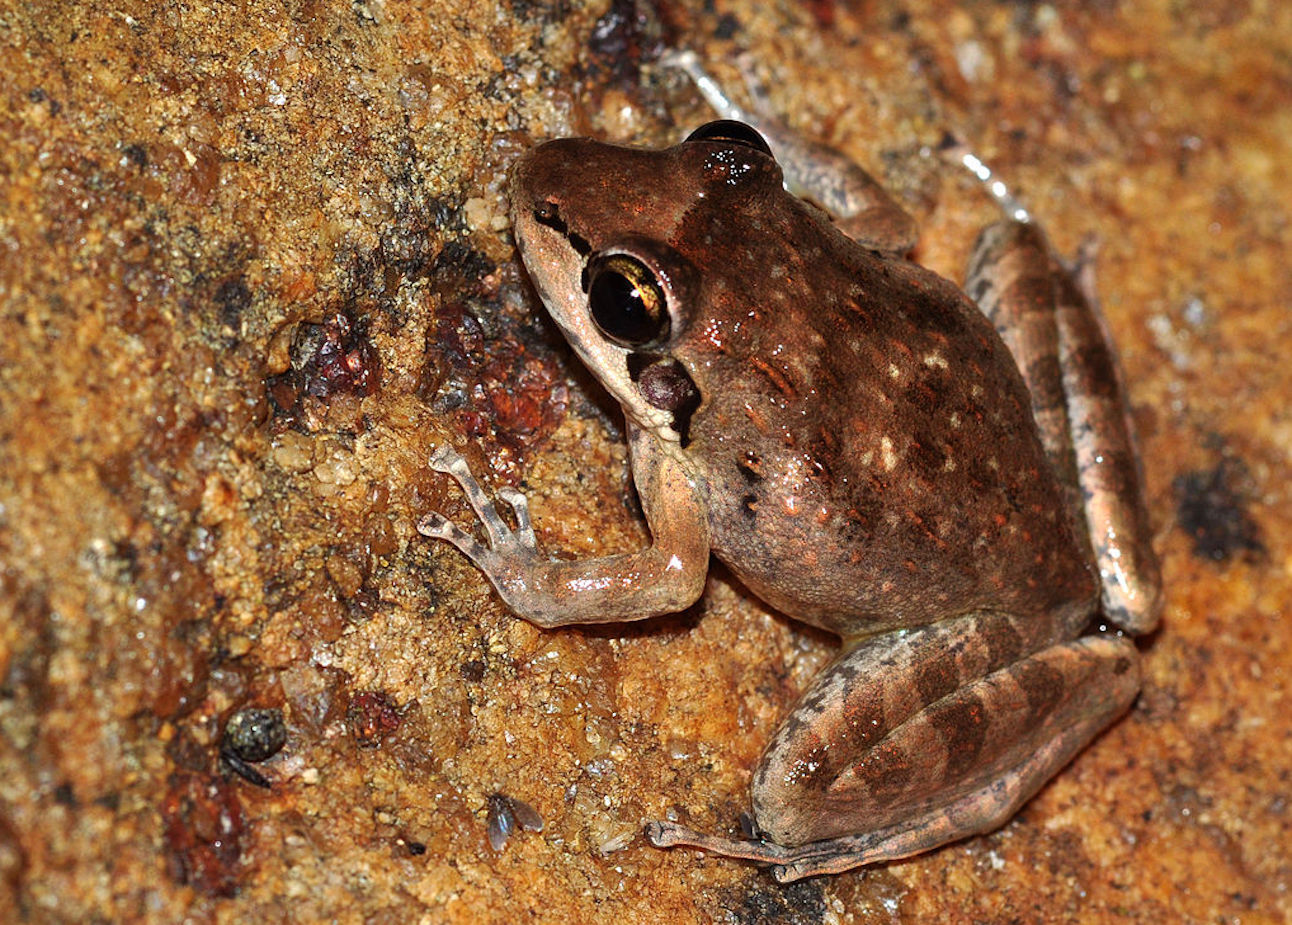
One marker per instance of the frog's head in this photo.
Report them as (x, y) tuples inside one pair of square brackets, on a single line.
[(614, 240)]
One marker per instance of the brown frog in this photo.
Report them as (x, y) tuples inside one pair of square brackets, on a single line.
[(946, 481)]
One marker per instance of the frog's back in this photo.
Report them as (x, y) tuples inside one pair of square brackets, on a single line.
[(871, 453)]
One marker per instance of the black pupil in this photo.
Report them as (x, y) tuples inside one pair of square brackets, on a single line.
[(627, 311)]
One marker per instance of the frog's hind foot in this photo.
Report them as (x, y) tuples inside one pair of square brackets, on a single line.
[(671, 835), (980, 811), (829, 856)]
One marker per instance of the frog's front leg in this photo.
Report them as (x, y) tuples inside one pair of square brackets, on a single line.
[(666, 577), (916, 738)]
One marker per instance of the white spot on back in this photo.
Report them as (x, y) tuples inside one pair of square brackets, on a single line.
[(886, 455)]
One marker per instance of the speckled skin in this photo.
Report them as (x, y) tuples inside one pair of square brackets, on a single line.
[(861, 419), (864, 455)]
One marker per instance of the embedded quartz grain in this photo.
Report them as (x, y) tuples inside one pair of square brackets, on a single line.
[(252, 269)]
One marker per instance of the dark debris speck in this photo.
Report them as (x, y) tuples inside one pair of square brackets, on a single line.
[(255, 734), (252, 735)]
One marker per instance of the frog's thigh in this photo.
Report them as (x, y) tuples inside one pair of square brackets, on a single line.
[(960, 765), (1058, 342)]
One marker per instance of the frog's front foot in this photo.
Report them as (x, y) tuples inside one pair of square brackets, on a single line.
[(510, 553)]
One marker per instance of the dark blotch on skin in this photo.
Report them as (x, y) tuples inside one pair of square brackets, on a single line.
[(889, 770), (1098, 371), (962, 722), (579, 243), (925, 457), (936, 678), (1044, 688), (1004, 645)]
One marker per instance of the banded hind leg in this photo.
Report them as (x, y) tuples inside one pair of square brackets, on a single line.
[(917, 738), (1048, 317)]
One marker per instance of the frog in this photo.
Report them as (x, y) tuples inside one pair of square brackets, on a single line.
[(943, 477)]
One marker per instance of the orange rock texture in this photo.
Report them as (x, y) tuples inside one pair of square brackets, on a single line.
[(255, 263)]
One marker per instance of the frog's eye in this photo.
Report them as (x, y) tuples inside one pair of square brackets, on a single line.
[(733, 131), (627, 301)]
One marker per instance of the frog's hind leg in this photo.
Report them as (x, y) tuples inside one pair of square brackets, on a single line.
[(918, 738), (1051, 324)]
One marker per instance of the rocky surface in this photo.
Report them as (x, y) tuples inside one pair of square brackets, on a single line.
[(254, 263)]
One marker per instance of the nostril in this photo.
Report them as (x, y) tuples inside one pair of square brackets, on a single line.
[(547, 213)]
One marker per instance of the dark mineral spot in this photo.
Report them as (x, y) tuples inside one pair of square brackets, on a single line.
[(233, 298), (798, 903), (1210, 505), (326, 359), (371, 716), (203, 826)]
